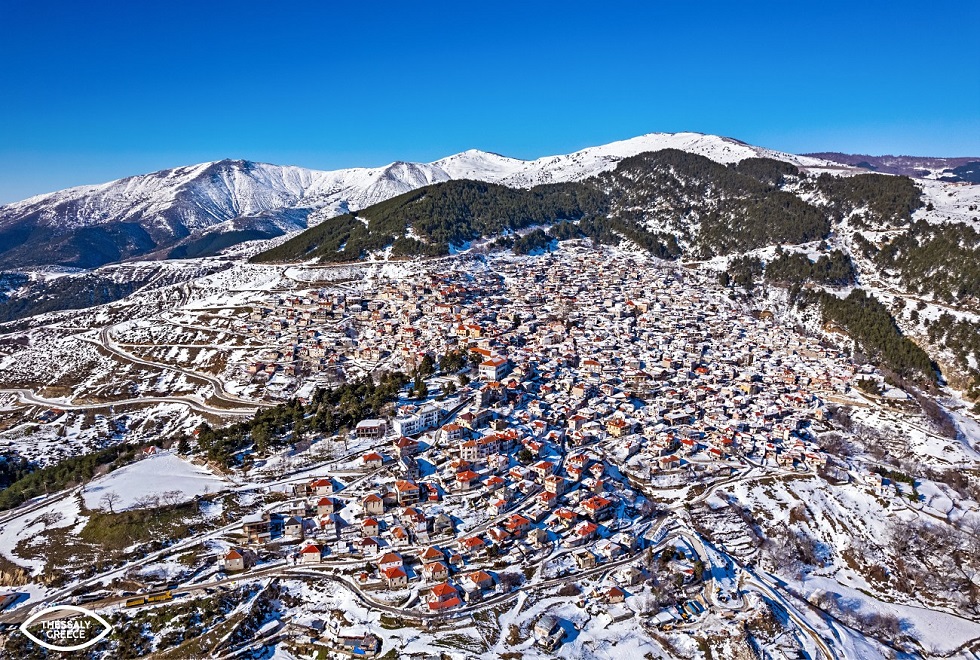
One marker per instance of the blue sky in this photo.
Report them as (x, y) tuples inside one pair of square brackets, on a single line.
[(95, 91)]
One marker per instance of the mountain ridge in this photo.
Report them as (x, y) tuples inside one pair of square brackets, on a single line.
[(199, 209), (959, 169)]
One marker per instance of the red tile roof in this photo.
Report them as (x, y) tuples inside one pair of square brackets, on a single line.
[(444, 589)]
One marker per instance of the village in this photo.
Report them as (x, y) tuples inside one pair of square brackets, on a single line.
[(581, 415), (585, 444)]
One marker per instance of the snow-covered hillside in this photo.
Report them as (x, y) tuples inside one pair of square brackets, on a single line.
[(582, 164)]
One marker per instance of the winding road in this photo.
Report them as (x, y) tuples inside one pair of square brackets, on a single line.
[(220, 393), (28, 397)]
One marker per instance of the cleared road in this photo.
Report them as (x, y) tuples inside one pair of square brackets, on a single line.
[(30, 398)]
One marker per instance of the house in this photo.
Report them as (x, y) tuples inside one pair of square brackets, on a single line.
[(584, 532), (497, 507), (688, 446), (370, 527), (405, 446), (237, 560), (469, 451), (442, 524), (443, 596), (431, 554), (390, 560), (371, 428), (494, 369), (547, 500), (497, 463), (452, 433), (480, 580), (596, 470), (493, 482), (566, 517), (321, 487), (548, 632), (432, 491), (435, 571), (292, 528), (424, 419), (311, 554), (614, 595), (816, 459), (256, 528), (413, 518), (538, 537), (609, 550), (472, 421), (543, 469), (465, 479), (472, 545), (407, 492), (629, 575), (458, 465), (363, 646), (554, 484), (874, 480), (395, 577), (299, 508), (325, 506), (617, 427), (597, 507), (373, 460), (373, 505), (517, 525), (584, 560), (576, 422), (409, 467), (626, 540), (400, 537), (367, 545), (498, 535), (518, 473), (534, 447)]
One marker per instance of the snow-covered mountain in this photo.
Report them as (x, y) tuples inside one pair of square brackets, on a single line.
[(582, 164), (188, 208), (200, 209)]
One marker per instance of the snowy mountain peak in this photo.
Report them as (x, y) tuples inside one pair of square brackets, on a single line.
[(486, 166)]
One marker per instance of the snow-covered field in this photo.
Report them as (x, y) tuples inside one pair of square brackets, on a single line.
[(153, 477)]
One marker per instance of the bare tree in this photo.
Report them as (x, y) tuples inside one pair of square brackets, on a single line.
[(145, 502), (109, 501), (173, 497), (509, 580)]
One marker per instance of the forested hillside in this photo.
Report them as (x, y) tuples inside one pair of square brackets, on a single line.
[(453, 212), (660, 200), (922, 255), (879, 199)]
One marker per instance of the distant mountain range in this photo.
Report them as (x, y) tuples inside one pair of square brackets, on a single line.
[(956, 170), (201, 209)]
